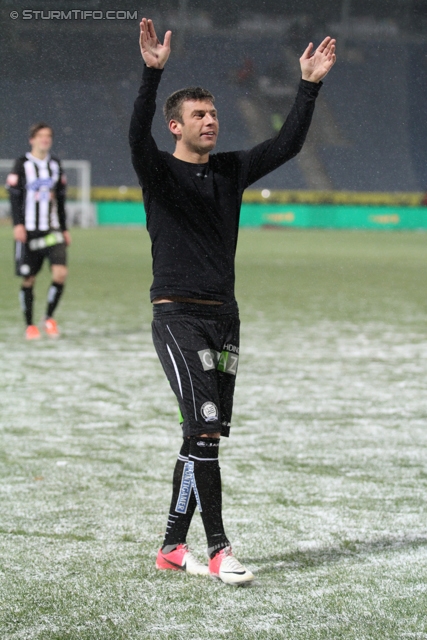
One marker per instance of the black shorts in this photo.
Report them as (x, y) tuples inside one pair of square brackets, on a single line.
[(28, 262), (198, 347)]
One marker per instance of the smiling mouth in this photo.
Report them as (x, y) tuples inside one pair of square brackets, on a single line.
[(209, 134)]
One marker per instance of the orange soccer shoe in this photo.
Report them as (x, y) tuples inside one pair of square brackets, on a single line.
[(181, 559), (32, 332), (51, 328)]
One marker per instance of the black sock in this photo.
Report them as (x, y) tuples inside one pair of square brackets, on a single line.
[(26, 298), (207, 488), (182, 499), (53, 296)]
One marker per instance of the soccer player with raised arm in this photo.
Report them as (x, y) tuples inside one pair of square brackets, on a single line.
[(192, 200), (37, 187)]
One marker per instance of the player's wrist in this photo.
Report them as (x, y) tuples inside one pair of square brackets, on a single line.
[(154, 62), (151, 66), (309, 78)]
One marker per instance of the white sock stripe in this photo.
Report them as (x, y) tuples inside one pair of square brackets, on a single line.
[(183, 458), (51, 293), (195, 490), (176, 368), (203, 459), (22, 300), (188, 371)]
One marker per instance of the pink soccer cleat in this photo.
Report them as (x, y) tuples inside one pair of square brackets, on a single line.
[(228, 569), (32, 332), (181, 559), (51, 328)]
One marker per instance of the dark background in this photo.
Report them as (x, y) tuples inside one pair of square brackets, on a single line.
[(81, 76)]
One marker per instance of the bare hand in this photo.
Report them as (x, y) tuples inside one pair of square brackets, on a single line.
[(315, 66), (20, 233), (67, 237), (155, 53)]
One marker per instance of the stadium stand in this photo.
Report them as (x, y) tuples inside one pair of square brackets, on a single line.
[(372, 104), (367, 134)]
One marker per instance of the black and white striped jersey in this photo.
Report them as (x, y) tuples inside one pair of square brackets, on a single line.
[(37, 193)]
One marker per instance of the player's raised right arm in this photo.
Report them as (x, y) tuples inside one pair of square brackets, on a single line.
[(145, 155), (155, 53)]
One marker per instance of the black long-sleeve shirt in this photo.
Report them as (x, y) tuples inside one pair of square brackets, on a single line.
[(193, 209)]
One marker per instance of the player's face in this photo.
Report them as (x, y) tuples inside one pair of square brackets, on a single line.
[(199, 131), (42, 141)]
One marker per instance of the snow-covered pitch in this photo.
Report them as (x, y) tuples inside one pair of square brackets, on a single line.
[(324, 476)]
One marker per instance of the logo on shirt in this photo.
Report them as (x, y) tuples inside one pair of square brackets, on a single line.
[(209, 412), (37, 184)]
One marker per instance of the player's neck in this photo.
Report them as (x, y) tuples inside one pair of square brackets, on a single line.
[(40, 155), (183, 153)]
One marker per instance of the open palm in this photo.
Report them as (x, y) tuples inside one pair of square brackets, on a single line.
[(315, 66), (155, 53)]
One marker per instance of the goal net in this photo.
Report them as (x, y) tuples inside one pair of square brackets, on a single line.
[(80, 210)]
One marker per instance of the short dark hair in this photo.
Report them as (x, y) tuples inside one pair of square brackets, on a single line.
[(35, 128), (173, 106)]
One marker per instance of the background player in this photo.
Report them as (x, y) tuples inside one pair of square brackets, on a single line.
[(192, 199), (37, 189)]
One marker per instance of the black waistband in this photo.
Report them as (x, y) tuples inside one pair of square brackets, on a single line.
[(195, 309)]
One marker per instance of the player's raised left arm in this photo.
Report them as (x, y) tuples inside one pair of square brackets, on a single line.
[(274, 152), (316, 65)]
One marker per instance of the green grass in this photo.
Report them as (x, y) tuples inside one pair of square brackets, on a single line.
[(325, 474)]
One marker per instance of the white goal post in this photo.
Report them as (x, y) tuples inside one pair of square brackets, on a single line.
[(80, 210)]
